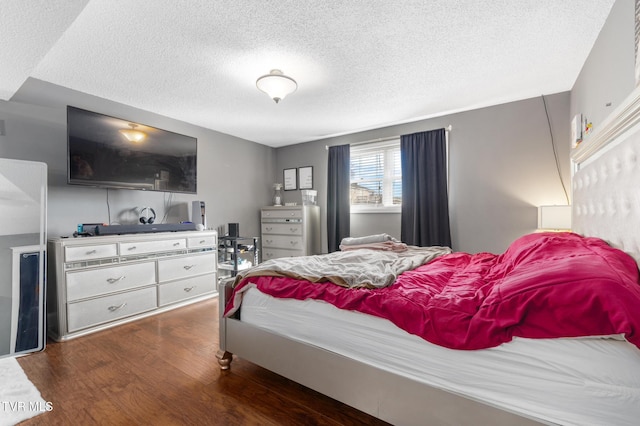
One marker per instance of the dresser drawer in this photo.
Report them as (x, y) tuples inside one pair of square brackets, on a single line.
[(96, 282), (186, 289), (282, 214), (201, 242), (283, 242), (172, 269), (110, 308), (281, 228), (144, 247), (89, 252), (271, 253)]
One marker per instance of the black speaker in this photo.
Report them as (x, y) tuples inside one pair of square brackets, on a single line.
[(234, 229)]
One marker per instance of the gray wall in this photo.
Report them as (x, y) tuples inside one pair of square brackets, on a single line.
[(501, 168), (607, 76), (234, 175)]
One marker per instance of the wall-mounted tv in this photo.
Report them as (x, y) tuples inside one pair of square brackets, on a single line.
[(101, 155)]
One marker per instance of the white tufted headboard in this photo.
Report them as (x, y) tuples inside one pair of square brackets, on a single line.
[(606, 180)]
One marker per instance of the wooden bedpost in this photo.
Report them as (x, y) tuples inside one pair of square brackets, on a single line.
[(224, 293), (224, 359)]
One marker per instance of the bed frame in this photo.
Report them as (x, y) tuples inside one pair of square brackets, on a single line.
[(606, 204), (389, 397)]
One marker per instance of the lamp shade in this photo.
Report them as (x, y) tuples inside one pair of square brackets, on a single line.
[(276, 85), (554, 218)]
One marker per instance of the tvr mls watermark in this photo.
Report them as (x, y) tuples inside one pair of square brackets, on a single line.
[(40, 406)]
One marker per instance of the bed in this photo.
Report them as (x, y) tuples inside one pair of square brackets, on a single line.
[(555, 341)]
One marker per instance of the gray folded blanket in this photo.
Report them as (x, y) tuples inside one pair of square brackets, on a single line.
[(369, 239)]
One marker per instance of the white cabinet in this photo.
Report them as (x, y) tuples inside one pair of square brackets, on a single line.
[(103, 281), (290, 231)]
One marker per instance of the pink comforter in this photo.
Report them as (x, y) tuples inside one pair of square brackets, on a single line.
[(545, 285)]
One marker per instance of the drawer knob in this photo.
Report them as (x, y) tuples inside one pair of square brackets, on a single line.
[(115, 308), (132, 248), (202, 241), (293, 243), (115, 280), (187, 267), (268, 228), (92, 252), (176, 244), (292, 229), (188, 289)]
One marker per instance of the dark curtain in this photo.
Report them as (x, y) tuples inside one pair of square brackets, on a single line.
[(338, 204), (425, 206)]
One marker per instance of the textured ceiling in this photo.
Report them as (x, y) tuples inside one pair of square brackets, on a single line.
[(359, 64)]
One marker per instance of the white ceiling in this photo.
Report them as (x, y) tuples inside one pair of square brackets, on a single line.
[(359, 64)]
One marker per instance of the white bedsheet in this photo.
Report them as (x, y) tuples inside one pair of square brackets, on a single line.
[(565, 381)]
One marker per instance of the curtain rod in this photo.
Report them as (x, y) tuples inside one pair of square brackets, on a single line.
[(390, 138)]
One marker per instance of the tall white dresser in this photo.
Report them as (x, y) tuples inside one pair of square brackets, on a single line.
[(290, 231)]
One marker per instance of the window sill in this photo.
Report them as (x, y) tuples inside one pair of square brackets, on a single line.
[(375, 209)]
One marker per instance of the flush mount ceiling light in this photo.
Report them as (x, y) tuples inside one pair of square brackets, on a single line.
[(276, 85), (132, 134)]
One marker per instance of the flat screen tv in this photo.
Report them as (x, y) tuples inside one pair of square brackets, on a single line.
[(101, 154)]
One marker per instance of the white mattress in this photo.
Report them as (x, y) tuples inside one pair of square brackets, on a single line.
[(590, 381)]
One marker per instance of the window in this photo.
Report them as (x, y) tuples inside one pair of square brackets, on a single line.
[(376, 177)]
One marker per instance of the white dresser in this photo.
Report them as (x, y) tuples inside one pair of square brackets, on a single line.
[(290, 231), (99, 282)]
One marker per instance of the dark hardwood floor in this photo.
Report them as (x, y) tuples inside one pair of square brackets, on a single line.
[(162, 370)]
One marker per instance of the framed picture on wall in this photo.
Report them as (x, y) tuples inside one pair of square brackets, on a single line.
[(290, 180), (305, 175)]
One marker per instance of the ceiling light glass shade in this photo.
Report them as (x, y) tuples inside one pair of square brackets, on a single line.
[(132, 134), (554, 218), (276, 85)]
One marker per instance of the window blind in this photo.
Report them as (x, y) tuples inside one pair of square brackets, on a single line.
[(376, 177)]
